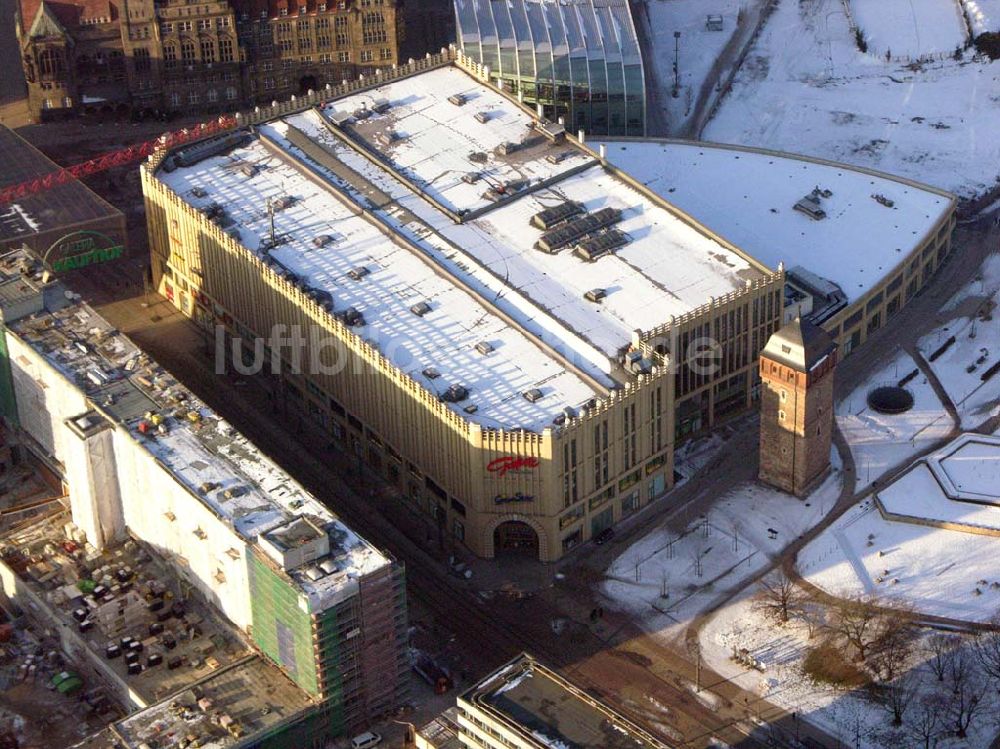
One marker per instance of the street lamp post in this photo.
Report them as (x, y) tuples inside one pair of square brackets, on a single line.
[(677, 42)]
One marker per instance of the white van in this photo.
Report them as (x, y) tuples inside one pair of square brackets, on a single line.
[(366, 740)]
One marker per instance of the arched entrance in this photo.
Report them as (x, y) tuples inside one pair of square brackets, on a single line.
[(308, 83), (515, 536)]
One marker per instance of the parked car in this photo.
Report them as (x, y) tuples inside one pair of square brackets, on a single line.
[(366, 740), (604, 536)]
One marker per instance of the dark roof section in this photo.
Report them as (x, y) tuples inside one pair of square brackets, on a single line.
[(551, 712), (64, 205), (800, 345)]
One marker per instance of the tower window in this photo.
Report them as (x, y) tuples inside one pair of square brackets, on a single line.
[(781, 415)]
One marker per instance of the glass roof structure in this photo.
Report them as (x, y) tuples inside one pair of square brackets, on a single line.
[(578, 59)]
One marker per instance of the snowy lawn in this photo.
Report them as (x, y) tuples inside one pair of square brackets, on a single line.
[(854, 716), (806, 88), (697, 47), (984, 15), (936, 571), (960, 368), (910, 28), (714, 553), (879, 442)]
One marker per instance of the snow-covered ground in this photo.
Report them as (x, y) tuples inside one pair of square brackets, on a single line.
[(983, 14), (910, 28), (879, 442), (697, 48), (779, 652), (806, 88), (975, 350), (936, 571), (732, 542)]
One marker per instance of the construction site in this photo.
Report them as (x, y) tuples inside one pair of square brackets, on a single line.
[(174, 554)]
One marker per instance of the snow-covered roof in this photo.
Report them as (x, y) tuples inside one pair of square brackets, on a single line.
[(218, 465), (871, 223), (429, 139), (444, 338)]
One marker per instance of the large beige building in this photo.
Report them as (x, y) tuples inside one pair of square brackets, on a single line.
[(510, 329)]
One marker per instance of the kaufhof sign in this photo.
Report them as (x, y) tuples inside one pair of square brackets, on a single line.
[(81, 249)]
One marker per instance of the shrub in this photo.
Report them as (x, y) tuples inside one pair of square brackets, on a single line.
[(826, 663)]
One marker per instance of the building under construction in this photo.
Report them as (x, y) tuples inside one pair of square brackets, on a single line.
[(149, 467)]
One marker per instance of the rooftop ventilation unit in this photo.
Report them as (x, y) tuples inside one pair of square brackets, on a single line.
[(285, 201), (388, 138), (457, 99), (340, 118), (595, 295), (356, 274), (558, 158), (431, 373), (598, 246), (484, 347), (555, 132), (470, 178), (478, 157), (482, 117), (322, 240), (637, 364), (811, 205), (212, 210), (532, 395), (420, 309), (199, 192), (381, 106), (455, 393), (322, 296), (362, 113), (507, 148), (471, 408), (551, 216), (883, 200), (554, 240), (248, 171)]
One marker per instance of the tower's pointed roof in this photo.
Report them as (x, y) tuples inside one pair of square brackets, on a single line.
[(45, 23), (800, 345)]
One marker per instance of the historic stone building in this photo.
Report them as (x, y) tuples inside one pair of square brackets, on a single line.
[(796, 406), (175, 55)]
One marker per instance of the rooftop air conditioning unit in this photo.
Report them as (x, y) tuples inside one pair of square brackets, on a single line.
[(595, 295), (532, 395), (470, 178), (484, 347), (457, 99), (381, 106), (322, 240), (420, 309), (356, 274), (431, 373), (482, 117)]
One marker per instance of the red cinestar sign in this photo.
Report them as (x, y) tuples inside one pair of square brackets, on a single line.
[(500, 466)]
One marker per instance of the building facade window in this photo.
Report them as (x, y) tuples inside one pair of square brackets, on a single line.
[(187, 52), (226, 50)]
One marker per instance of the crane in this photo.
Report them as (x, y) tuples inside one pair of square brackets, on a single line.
[(112, 159)]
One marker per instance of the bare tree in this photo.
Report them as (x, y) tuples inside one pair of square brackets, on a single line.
[(939, 649), (899, 693), (892, 644), (857, 621), (925, 723), (958, 667), (778, 597), (696, 556), (967, 698), (986, 646)]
